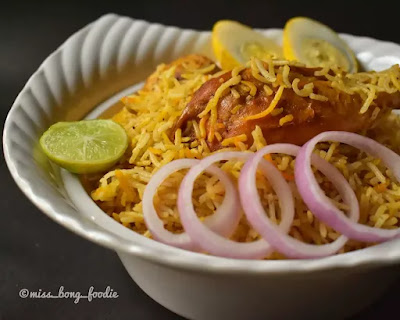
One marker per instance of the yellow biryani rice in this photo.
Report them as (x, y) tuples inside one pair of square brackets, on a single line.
[(149, 115)]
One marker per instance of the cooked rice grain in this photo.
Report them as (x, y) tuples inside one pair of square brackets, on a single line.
[(148, 116)]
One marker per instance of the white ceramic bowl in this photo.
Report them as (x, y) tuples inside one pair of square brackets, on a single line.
[(86, 73)]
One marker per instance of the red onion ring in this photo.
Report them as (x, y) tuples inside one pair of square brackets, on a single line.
[(214, 243), (316, 200), (255, 213), (224, 221)]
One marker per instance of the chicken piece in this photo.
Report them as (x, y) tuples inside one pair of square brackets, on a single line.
[(191, 61), (310, 117)]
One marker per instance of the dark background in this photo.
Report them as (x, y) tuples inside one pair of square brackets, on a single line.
[(35, 252)]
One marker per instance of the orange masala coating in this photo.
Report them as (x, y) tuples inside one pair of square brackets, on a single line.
[(310, 117)]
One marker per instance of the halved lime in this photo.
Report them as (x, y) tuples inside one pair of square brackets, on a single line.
[(85, 146)]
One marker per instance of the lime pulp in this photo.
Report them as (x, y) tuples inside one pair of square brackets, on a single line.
[(85, 146)]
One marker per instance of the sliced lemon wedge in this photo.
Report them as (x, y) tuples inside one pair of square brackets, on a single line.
[(234, 44), (316, 45)]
